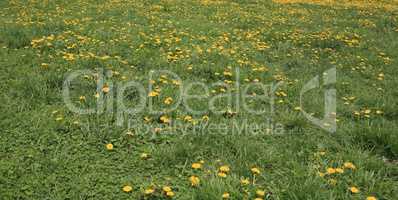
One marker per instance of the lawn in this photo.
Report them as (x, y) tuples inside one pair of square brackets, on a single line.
[(199, 99)]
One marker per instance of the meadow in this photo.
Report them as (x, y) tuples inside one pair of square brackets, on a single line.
[(208, 146)]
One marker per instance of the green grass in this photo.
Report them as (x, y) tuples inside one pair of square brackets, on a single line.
[(46, 158)]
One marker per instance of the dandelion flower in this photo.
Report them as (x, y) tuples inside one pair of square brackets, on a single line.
[(168, 100), (149, 191), (127, 188), (331, 170), (109, 146), (144, 156), (153, 94), (255, 170), (166, 189), (170, 194), (105, 89), (196, 165), (44, 65), (260, 193), (349, 165), (339, 170), (188, 118), (194, 180), (222, 174), (165, 119), (371, 198), (354, 190), (147, 119), (224, 168), (244, 181), (225, 195)]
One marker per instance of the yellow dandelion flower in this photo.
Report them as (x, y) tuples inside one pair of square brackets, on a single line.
[(194, 180), (105, 89), (188, 118), (166, 189), (255, 170), (176, 82), (109, 146), (165, 119), (224, 168), (149, 191), (331, 170), (349, 165), (144, 156), (153, 94), (260, 193), (127, 188), (82, 98), (170, 194), (222, 174), (147, 119), (244, 181), (44, 65), (168, 100), (225, 195), (371, 198), (196, 165), (227, 73), (339, 170), (354, 190)]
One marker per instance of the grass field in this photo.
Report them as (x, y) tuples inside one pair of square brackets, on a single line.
[(49, 151)]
